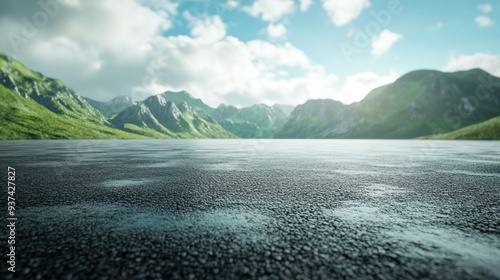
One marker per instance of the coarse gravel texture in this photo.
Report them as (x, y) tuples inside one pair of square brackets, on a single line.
[(254, 209)]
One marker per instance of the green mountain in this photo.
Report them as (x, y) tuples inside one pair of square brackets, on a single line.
[(419, 103), (50, 93), (287, 109), (487, 130), (114, 106), (460, 105), (183, 96), (315, 118), (37, 107), (157, 116), (257, 121)]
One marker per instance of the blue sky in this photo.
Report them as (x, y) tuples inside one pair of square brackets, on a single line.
[(432, 32), (251, 51)]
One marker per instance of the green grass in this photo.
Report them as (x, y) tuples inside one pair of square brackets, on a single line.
[(21, 118), (46, 108), (414, 105), (487, 130), (53, 94), (419, 103), (146, 132)]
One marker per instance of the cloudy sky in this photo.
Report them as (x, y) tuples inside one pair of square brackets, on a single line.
[(243, 52)]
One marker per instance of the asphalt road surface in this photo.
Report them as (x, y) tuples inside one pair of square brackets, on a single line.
[(253, 209)]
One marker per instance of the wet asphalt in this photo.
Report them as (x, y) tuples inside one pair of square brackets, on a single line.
[(254, 209)]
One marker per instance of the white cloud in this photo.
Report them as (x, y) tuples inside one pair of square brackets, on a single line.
[(270, 10), (483, 21), (97, 47), (439, 25), (305, 4), (166, 7), (384, 41), (232, 3), (109, 27), (276, 30), (487, 62), (243, 73), (282, 55), (357, 86), (235, 72), (208, 29), (485, 8), (342, 12), (103, 51)]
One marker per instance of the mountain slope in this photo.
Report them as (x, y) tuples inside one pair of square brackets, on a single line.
[(22, 118), (50, 93), (427, 102), (114, 106), (158, 115), (487, 130), (257, 121), (287, 109), (183, 96), (313, 119), (33, 106), (419, 103)]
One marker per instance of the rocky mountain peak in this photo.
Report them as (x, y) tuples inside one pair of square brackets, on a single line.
[(122, 100), (155, 102), (184, 107), (172, 110)]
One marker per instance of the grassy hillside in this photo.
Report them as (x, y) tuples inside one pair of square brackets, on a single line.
[(422, 102), (487, 130), (34, 106), (257, 121), (21, 118), (52, 94), (417, 104), (157, 116)]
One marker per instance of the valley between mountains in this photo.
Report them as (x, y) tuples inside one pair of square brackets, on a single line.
[(424, 104)]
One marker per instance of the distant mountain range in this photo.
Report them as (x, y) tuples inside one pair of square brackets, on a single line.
[(157, 114), (419, 103), (424, 103), (36, 107), (257, 121), (114, 106)]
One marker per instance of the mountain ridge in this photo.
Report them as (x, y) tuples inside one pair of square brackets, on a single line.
[(34, 106), (419, 103), (165, 117), (112, 107)]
